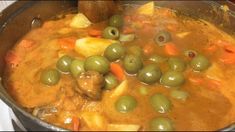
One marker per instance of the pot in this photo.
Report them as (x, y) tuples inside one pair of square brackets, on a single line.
[(16, 20)]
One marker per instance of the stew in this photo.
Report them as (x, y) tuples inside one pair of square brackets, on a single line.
[(145, 68)]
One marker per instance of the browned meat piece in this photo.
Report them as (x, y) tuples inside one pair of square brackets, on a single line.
[(97, 10), (42, 112), (90, 84)]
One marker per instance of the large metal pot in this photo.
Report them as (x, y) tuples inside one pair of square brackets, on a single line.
[(15, 21)]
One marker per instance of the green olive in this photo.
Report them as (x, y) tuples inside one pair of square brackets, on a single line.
[(149, 74), (200, 63), (63, 64), (110, 82), (77, 67), (50, 77), (160, 103), (97, 63), (135, 50), (157, 59), (132, 64), (179, 94), (172, 79), (116, 21), (161, 124), (125, 104), (162, 37), (114, 52), (111, 33), (176, 64)]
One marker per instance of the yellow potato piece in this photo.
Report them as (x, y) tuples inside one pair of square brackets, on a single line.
[(95, 120), (123, 127), (92, 46), (146, 9), (80, 21), (120, 89)]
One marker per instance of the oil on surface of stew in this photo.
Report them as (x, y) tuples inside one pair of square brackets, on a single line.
[(144, 69)]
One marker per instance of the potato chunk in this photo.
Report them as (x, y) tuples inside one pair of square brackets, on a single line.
[(120, 89), (80, 21), (123, 127), (92, 46), (95, 121), (146, 9)]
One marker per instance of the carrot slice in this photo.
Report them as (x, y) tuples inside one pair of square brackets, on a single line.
[(118, 71), (94, 32), (171, 49), (227, 58), (76, 123), (67, 43)]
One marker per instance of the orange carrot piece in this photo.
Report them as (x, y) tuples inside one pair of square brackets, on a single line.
[(94, 32), (195, 80), (118, 71), (76, 123), (148, 49), (67, 43), (227, 58), (128, 30), (211, 83), (12, 59), (171, 49), (26, 43)]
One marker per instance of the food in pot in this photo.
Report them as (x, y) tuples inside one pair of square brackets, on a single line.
[(145, 68)]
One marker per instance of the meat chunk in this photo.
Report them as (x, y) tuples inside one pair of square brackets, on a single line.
[(97, 10), (89, 84), (42, 112)]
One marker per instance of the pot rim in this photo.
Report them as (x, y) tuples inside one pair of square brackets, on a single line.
[(13, 105)]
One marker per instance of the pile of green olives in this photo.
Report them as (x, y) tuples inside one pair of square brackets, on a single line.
[(131, 58), (65, 64)]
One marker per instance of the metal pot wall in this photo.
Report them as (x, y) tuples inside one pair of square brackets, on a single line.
[(15, 21)]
